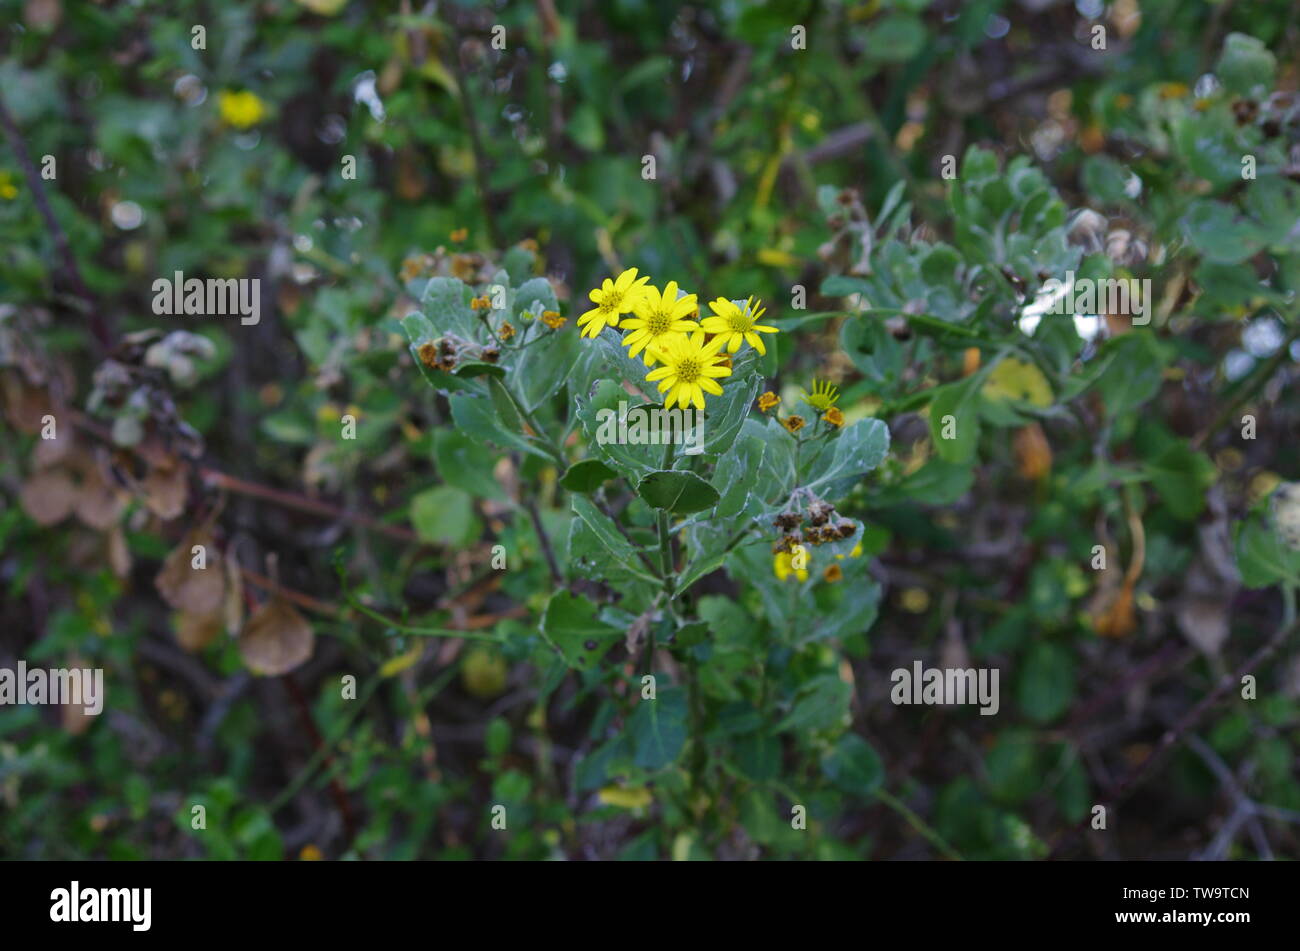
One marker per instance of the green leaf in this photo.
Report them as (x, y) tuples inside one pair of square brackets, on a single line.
[(1263, 559), (587, 476), (570, 625), (465, 464), (735, 473), (1046, 685), (444, 515), (599, 417), (960, 401), (1245, 65), (1181, 475), (657, 729), (854, 767), (677, 491), (857, 450), (609, 536), (725, 414), (507, 409), (821, 703), (476, 418)]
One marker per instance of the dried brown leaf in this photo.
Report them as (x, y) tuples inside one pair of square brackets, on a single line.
[(187, 588), (48, 496), (276, 639)]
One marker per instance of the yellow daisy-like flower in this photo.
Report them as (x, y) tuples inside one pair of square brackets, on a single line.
[(505, 331), (793, 423), (240, 109), (767, 401), (553, 319), (613, 299), (783, 567), (834, 417), (658, 314), (690, 369), (823, 396), (737, 325)]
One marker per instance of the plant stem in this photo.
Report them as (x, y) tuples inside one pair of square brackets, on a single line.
[(917, 823)]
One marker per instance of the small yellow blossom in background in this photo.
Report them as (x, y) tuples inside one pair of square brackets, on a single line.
[(857, 551), (834, 417), (915, 600), (505, 331), (783, 567), (240, 109), (459, 235), (8, 190), (311, 853), (553, 319), (690, 369), (767, 401), (482, 302), (658, 315), (626, 798), (613, 299), (833, 573), (823, 396), (793, 423), (737, 325)]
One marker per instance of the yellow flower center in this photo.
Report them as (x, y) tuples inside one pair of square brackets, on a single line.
[(740, 321), (658, 322), (612, 301), (688, 370)]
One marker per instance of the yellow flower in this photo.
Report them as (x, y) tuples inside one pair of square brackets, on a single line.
[(8, 190), (612, 299), (311, 853), (626, 798), (833, 573), (737, 325), (658, 314), (505, 331), (857, 551), (783, 567), (823, 395), (553, 319), (690, 369), (459, 235), (834, 417), (793, 423), (240, 109), (767, 401)]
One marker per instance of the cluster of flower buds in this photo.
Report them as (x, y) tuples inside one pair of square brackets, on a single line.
[(447, 352), (816, 524)]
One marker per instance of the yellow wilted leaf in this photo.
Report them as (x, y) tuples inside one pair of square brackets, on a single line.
[(774, 257), (1014, 379), (325, 8), (483, 672), (395, 665), (276, 639), (1033, 453), (626, 798)]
